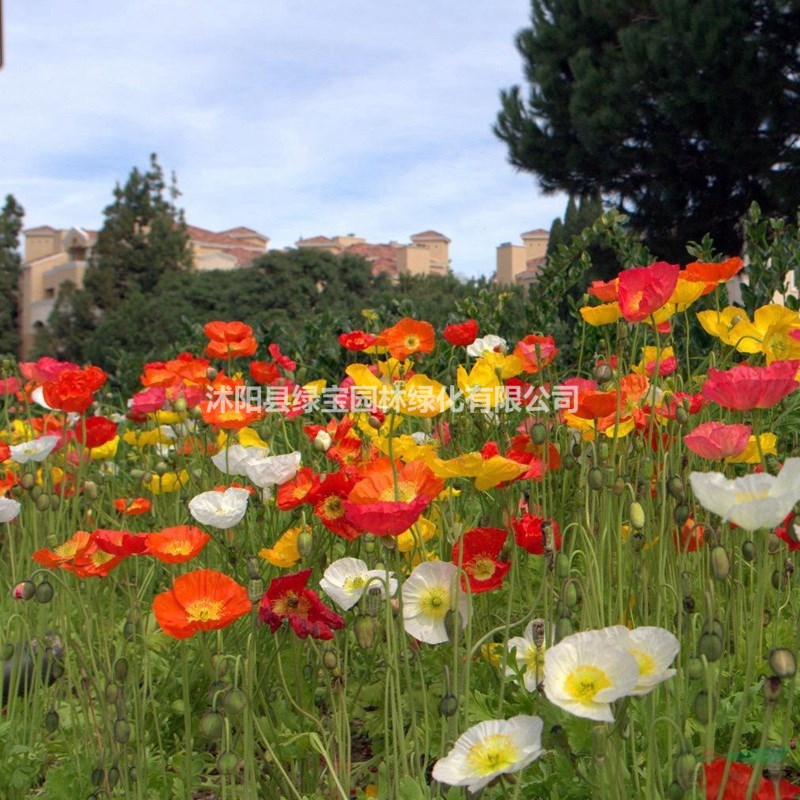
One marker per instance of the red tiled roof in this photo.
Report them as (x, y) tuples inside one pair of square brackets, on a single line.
[(536, 232), (315, 240), (222, 240), (243, 231), (429, 235), (382, 257)]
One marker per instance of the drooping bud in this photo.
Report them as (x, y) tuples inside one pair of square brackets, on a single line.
[(255, 590), (122, 731), (710, 646), (366, 631), (694, 669), (562, 565), (782, 662), (773, 544), (372, 604), (90, 490), (24, 590), (538, 433), (681, 415), (570, 595), (720, 564), (111, 693), (227, 763), (771, 689), (594, 478), (212, 724), (121, 669), (253, 567), (705, 708), (42, 502), (305, 543), (636, 515), (211, 373), (234, 701), (676, 488), (563, 629), (27, 481), (448, 705), (603, 373), (684, 770), (329, 659), (51, 720), (680, 514), (619, 486), (44, 592)]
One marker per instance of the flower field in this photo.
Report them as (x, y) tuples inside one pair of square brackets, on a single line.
[(455, 570)]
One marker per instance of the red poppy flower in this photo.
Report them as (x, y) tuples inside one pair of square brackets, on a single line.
[(297, 491), (409, 336), (739, 776), (384, 507), (789, 532), (539, 459), (45, 369), (95, 431), (605, 291), (120, 543), (690, 538), (529, 534), (177, 544), (743, 388), (92, 562), (288, 599), (202, 600), (643, 290), (63, 553), (346, 452), (357, 341), (281, 359), (477, 552), (535, 352), (461, 334), (73, 389), (329, 504), (9, 386), (5, 451), (149, 400), (132, 507), (716, 440), (265, 372)]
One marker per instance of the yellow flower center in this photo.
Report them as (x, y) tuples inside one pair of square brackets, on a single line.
[(355, 583), (584, 682), (534, 659), (435, 602), (411, 342), (495, 753), (204, 610), (66, 550), (483, 568), (178, 547), (645, 661), (332, 507), (406, 492)]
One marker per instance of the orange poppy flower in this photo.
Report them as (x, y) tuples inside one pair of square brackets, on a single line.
[(242, 349), (200, 601), (64, 553), (230, 413), (73, 389), (132, 507), (92, 562), (712, 274), (176, 545), (535, 352), (229, 332), (119, 543), (407, 337)]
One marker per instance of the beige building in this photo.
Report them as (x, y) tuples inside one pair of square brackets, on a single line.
[(520, 265), (53, 257), (428, 253)]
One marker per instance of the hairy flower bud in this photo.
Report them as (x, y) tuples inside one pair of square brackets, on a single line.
[(684, 770), (366, 630), (538, 433), (636, 515), (720, 564), (24, 590), (212, 724), (748, 551), (122, 731), (594, 478), (782, 662), (710, 646), (44, 592), (448, 705)]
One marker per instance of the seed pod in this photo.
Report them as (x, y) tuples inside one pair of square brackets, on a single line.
[(227, 763), (782, 662), (305, 543), (563, 629), (594, 478), (676, 488), (684, 769), (710, 646), (680, 514), (44, 592), (562, 566), (366, 631), (372, 604), (694, 669), (702, 711), (122, 731), (771, 689), (111, 693), (636, 515), (329, 659), (121, 668), (24, 590), (538, 433), (212, 724), (51, 720), (720, 565), (234, 702), (448, 705)]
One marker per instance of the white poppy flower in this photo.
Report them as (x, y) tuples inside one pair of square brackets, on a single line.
[(752, 502), (273, 470), (529, 657), (9, 509), (486, 344), (583, 674), (346, 580), (491, 748), (220, 509), (34, 450), (233, 460), (432, 589)]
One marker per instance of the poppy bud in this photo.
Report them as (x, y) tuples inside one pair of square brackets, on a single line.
[(132, 775), (569, 594), (323, 441), (42, 502), (329, 659), (778, 580), (161, 468), (234, 702), (211, 373), (703, 709), (36, 492), (710, 646), (253, 567), (619, 486), (255, 590), (305, 543), (782, 662), (569, 462), (55, 502), (680, 514), (773, 544), (122, 731), (636, 514), (452, 620), (212, 725), (27, 481), (720, 565), (51, 720), (147, 477), (366, 631), (90, 490), (113, 777), (603, 451), (694, 669), (98, 776), (44, 592), (576, 450), (684, 769), (674, 791), (599, 741), (563, 629), (219, 665), (374, 422), (594, 478), (111, 693), (538, 433), (227, 763), (24, 590), (562, 565), (129, 629), (748, 551), (448, 705), (609, 477), (603, 373), (771, 689), (676, 488), (681, 415), (121, 669), (373, 602)]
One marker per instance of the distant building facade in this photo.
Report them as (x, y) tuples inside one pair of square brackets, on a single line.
[(54, 256), (520, 265), (428, 253)]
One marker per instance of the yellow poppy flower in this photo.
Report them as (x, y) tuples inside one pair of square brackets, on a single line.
[(720, 323), (168, 482), (481, 388), (146, 438), (105, 451), (505, 365), (419, 396), (248, 437), (750, 454), (769, 333), (284, 552), (604, 314), (422, 531)]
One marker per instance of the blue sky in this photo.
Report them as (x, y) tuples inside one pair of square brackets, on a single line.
[(293, 117)]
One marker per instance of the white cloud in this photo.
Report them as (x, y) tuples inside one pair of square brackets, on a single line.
[(291, 116)]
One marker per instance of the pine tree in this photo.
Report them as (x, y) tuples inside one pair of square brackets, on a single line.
[(680, 112), (143, 237), (10, 263)]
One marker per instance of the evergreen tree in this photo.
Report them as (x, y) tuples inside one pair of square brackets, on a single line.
[(680, 112), (10, 262), (143, 238)]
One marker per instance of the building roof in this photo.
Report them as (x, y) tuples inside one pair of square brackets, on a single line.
[(315, 240), (223, 240), (532, 269), (39, 229), (429, 236), (536, 233), (382, 257)]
